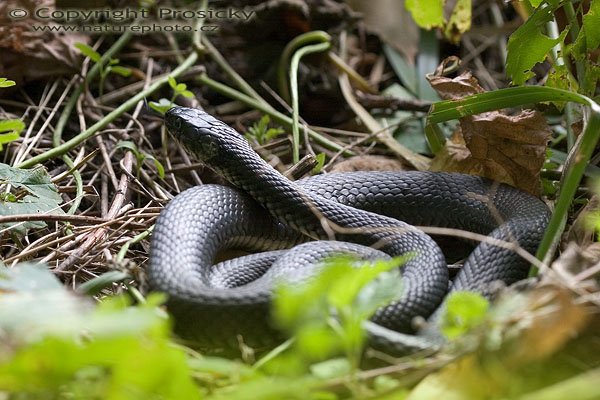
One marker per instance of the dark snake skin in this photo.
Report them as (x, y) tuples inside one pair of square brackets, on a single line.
[(213, 304)]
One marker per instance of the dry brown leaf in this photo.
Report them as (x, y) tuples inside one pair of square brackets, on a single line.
[(454, 88), (455, 157), (505, 148), (369, 163), (28, 54)]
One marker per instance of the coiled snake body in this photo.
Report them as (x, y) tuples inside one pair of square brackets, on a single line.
[(212, 304)]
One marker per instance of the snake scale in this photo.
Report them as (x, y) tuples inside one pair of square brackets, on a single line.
[(213, 304)]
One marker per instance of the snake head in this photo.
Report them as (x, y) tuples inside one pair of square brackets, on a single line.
[(200, 133)]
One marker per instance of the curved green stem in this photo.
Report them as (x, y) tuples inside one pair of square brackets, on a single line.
[(574, 171), (292, 46), (267, 109), (309, 49)]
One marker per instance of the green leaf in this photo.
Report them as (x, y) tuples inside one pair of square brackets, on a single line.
[(6, 82), (464, 310), (41, 196), (221, 367), (316, 340), (408, 130), (459, 22), (162, 106), (260, 131), (403, 70), (561, 78), (332, 368), (528, 46), (385, 383), (320, 163), (28, 277), (128, 145), (157, 164), (180, 87), (119, 70), (14, 127), (187, 93), (88, 51), (7, 138), (591, 26), (58, 345), (172, 82), (94, 286), (9, 125), (426, 13)]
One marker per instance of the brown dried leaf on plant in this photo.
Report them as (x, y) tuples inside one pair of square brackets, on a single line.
[(502, 147), (28, 54)]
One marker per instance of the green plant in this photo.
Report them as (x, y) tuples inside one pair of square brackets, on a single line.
[(141, 157), (260, 131), (57, 345), (10, 129), (27, 192), (105, 70), (179, 89)]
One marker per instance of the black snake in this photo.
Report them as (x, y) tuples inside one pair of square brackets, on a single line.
[(212, 304)]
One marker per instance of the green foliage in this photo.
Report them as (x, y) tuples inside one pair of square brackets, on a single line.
[(141, 156), (260, 131), (464, 311), (320, 163), (179, 89), (6, 83), (528, 46), (161, 106), (429, 14), (111, 67), (591, 27), (57, 345), (31, 192), (326, 315), (10, 129)]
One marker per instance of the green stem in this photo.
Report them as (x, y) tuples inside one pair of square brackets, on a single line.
[(309, 49), (574, 33), (290, 48), (70, 144), (501, 98), (267, 109), (234, 76), (67, 111), (580, 156)]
